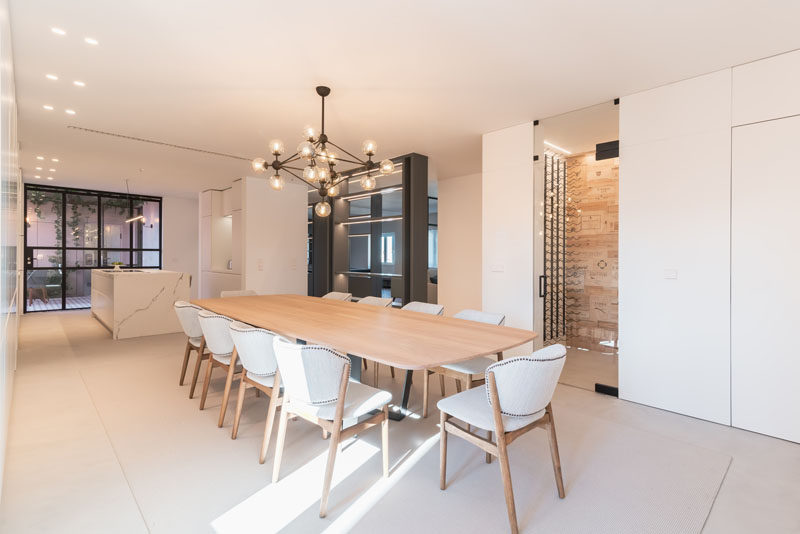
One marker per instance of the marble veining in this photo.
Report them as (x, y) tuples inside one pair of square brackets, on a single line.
[(133, 304)]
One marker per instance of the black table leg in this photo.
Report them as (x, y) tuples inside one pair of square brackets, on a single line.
[(401, 414), (355, 367)]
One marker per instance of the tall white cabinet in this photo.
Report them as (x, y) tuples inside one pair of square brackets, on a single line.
[(709, 256), (765, 187)]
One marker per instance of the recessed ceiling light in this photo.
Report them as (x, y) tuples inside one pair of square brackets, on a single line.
[(79, 83), (52, 170), (48, 108), (39, 169), (58, 31), (91, 41), (40, 157), (37, 176), (49, 177), (69, 111), (55, 160), (51, 76)]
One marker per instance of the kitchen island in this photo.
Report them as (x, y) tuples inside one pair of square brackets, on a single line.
[(138, 302)]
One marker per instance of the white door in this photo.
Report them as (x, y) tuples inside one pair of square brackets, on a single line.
[(765, 278)]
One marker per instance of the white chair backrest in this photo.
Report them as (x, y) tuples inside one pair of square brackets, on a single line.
[(482, 317), (216, 330), (310, 373), (376, 301), (254, 347), (525, 384), (237, 293), (424, 307), (335, 295), (187, 315)]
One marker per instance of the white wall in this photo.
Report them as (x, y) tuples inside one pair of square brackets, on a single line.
[(674, 278), (507, 212), (275, 229), (10, 227), (180, 237), (460, 252)]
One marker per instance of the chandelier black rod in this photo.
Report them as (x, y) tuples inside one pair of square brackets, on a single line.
[(293, 157), (301, 178), (360, 161)]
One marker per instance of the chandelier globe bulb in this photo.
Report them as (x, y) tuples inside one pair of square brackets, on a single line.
[(259, 165), (276, 182), (322, 209)]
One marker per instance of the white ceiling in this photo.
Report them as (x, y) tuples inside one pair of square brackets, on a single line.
[(418, 75)]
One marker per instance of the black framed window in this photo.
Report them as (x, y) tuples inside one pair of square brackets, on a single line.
[(69, 232)]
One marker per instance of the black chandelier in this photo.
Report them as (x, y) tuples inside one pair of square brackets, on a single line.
[(320, 172)]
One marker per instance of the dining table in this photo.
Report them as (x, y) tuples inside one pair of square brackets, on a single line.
[(400, 338)]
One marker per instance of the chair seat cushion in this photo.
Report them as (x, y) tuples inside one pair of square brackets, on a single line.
[(360, 400), (264, 380), (475, 366), (471, 407), (196, 341)]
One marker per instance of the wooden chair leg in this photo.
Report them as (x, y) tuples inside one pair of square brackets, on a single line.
[(276, 467), (209, 367), (258, 392), (274, 400), (239, 403), (385, 440), (458, 386), (467, 385), (391, 369), (185, 361), (375, 374), (227, 392), (441, 384), (200, 357), (426, 377), (505, 472), (333, 448), (488, 454), (554, 453), (443, 417)]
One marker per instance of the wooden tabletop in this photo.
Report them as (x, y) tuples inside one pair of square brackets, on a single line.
[(401, 338)]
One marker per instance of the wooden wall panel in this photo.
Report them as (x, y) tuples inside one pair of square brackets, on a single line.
[(592, 251)]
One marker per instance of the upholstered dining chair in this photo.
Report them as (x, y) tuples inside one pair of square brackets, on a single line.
[(187, 316), (216, 331), (336, 295), (260, 371), (317, 387), (237, 293), (383, 303), (424, 307), (376, 301), (470, 372), (514, 400)]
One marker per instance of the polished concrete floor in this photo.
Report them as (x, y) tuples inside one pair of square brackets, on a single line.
[(102, 439), (584, 368)]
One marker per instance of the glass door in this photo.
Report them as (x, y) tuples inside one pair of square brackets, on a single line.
[(44, 237)]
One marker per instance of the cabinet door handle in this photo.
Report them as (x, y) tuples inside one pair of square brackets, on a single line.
[(542, 286)]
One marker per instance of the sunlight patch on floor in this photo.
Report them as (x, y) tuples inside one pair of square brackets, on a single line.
[(353, 514), (275, 506)]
